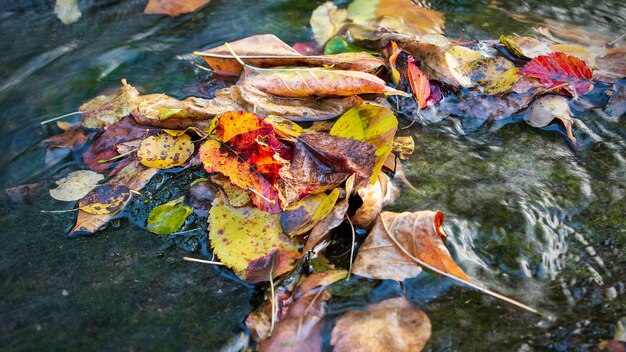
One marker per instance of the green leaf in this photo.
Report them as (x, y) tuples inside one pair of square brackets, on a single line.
[(339, 46), (375, 125), (239, 236), (169, 217)]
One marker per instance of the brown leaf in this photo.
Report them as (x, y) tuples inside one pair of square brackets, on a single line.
[(304, 82), (173, 8), (273, 264), (299, 329), (103, 110), (134, 176), (160, 110), (419, 233), (391, 325), (74, 139), (418, 19), (319, 281), (322, 162), (611, 66)]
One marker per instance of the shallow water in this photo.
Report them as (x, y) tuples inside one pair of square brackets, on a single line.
[(527, 213)]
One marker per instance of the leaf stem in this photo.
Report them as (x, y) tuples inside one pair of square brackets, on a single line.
[(189, 259), (60, 117)]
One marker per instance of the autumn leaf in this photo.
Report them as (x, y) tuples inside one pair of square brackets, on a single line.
[(319, 281), (418, 19), (164, 151), (301, 216), (322, 162), (547, 108), (375, 125), (401, 244), (390, 325), (134, 176), (525, 47), (67, 11), (76, 185), (173, 8), (240, 236), (375, 197), (403, 146), (557, 69), (169, 217), (504, 83), (418, 81), (274, 264), (339, 45), (108, 198), (326, 20), (300, 329), (235, 196), (419, 233), (103, 111)]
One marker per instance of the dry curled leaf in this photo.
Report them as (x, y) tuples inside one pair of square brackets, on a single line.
[(391, 325), (375, 197), (382, 254)]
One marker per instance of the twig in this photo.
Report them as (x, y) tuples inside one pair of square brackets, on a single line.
[(189, 259), (272, 299), (60, 211), (118, 156), (351, 248), (60, 117)]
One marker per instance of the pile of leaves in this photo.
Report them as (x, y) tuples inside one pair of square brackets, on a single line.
[(305, 141)]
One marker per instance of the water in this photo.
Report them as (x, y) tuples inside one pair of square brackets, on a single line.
[(528, 214)]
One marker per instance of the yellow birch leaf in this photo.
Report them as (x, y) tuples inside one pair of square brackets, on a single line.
[(164, 151)]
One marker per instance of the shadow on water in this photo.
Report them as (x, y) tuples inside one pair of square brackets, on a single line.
[(528, 214)]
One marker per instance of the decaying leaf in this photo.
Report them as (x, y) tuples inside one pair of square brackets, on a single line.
[(416, 18), (319, 281), (299, 217), (504, 83), (240, 236), (557, 69), (611, 66), (164, 151), (322, 162), (375, 125), (108, 198), (104, 110), (173, 8), (419, 233), (134, 176), (525, 47), (236, 197), (272, 265), (76, 185), (391, 325), (169, 217)]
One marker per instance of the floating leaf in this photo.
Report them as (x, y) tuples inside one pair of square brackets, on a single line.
[(487, 71), (525, 47), (105, 199), (326, 20), (420, 233), (418, 82), (299, 217), (559, 68), (304, 82), (169, 217), (241, 235), (375, 125), (103, 110), (504, 83), (76, 185), (164, 151), (550, 107), (418, 19), (134, 176), (611, 66), (390, 325), (173, 8)]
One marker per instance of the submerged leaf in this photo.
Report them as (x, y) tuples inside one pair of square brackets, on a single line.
[(240, 236), (169, 217), (396, 325), (391, 325), (165, 151), (418, 19), (76, 185)]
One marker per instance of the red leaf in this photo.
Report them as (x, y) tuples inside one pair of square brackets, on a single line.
[(559, 68), (419, 83)]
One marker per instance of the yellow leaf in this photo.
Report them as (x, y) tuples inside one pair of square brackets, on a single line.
[(105, 199), (284, 127), (242, 235), (375, 125), (303, 215), (504, 83), (164, 151)]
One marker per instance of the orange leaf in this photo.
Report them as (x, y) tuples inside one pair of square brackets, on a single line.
[(419, 83), (232, 124), (173, 7)]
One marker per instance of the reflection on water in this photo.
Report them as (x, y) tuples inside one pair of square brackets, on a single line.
[(528, 214)]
